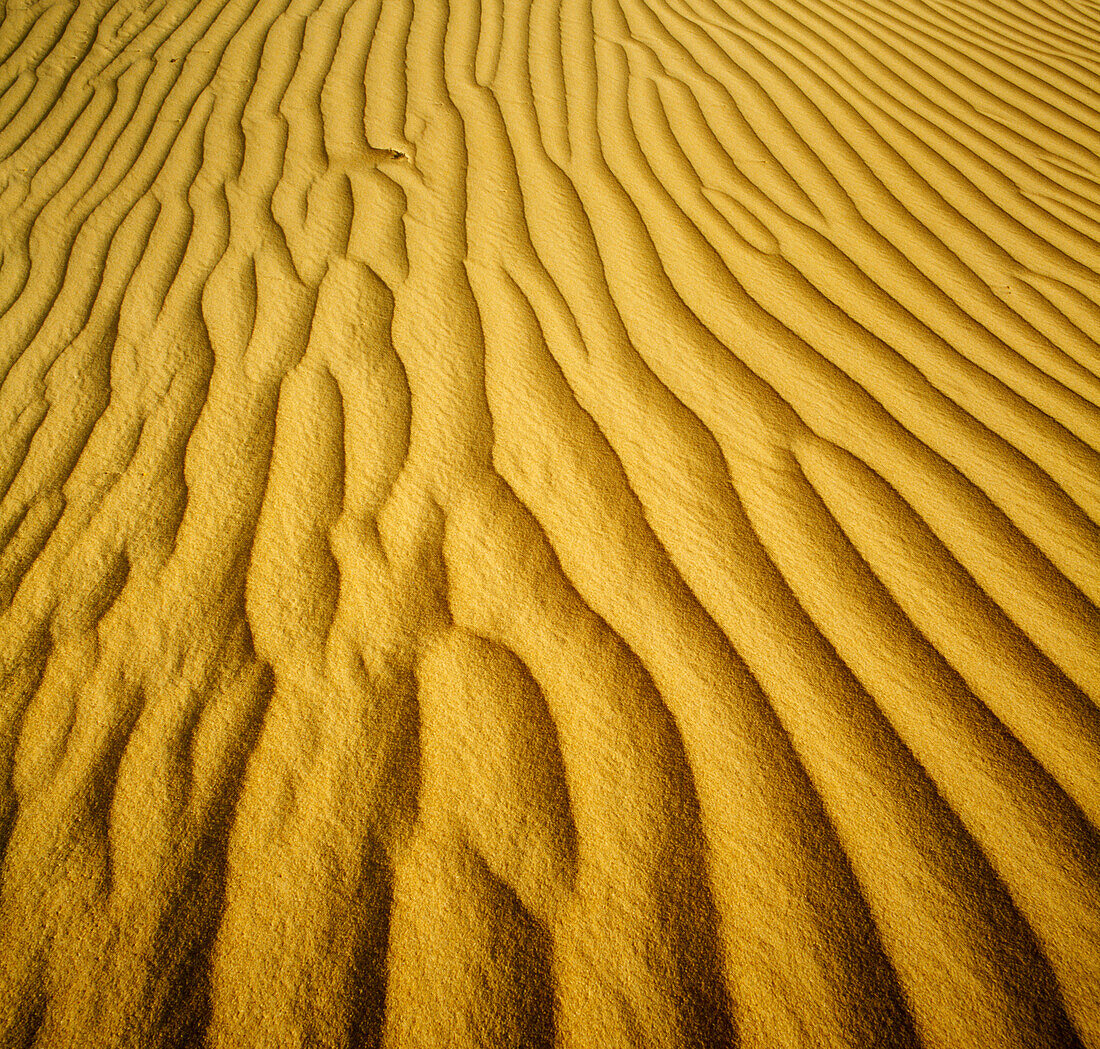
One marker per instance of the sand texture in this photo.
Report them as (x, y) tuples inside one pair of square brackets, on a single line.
[(538, 523)]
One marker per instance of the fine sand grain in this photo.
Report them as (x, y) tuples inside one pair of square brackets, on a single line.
[(538, 523)]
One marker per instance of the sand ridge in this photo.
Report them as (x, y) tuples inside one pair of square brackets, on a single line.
[(550, 523)]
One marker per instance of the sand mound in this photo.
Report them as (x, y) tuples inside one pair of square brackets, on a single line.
[(549, 522)]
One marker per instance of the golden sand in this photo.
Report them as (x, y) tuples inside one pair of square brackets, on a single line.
[(539, 523)]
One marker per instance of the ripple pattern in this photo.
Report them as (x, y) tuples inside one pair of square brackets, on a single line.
[(550, 523)]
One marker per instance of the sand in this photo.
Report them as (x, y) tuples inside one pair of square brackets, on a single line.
[(539, 523)]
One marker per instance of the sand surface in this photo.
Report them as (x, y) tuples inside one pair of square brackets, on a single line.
[(539, 523)]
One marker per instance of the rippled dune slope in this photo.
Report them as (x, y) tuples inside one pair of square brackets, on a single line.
[(550, 523)]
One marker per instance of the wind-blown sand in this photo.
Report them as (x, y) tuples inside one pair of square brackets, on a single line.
[(550, 522)]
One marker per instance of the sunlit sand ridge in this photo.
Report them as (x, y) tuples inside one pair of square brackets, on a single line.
[(550, 523)]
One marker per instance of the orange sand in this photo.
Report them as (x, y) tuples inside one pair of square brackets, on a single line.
[(541, 523)]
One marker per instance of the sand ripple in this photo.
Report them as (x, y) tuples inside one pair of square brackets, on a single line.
[(550, 523)]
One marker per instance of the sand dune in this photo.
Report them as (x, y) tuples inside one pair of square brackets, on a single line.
[(550, 523)]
